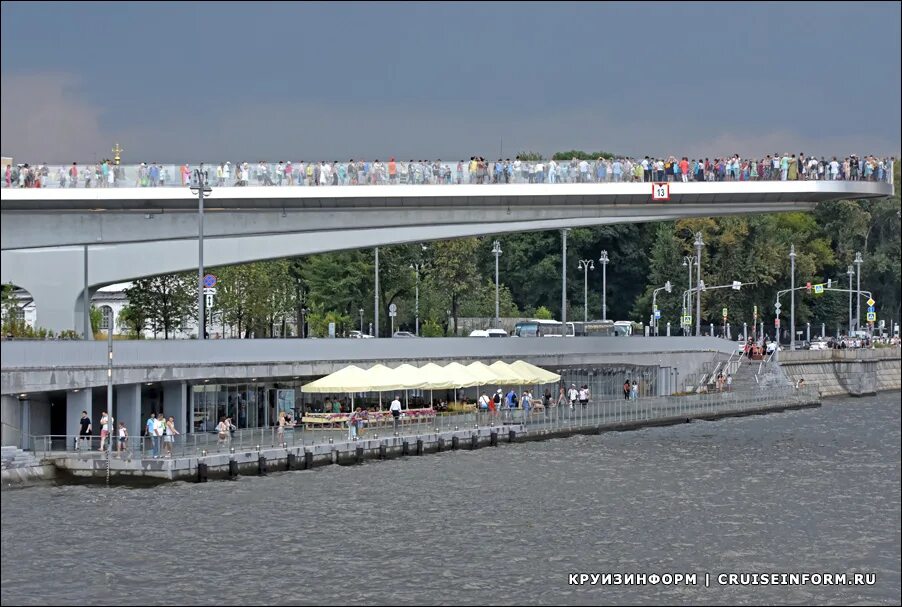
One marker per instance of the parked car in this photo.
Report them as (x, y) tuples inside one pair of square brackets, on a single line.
[(403, 334), (819, 345), (358, 335)]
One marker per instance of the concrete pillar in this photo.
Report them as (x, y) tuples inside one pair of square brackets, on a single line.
[(76, 402), (25, 408), (668, 328), (175, 403), (11, 416), (128, 408)]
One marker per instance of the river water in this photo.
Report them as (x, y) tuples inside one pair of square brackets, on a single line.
[(815, 490)]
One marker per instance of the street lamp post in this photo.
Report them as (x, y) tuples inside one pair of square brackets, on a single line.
[(654, 305), (496, 251), (699, 243), (688, 261), (858, 262), (564, 232), (416, 269), (603, 259), (851, 273), (376, 299), (585, 265), (792, 298), (361, 321), (201, 188)]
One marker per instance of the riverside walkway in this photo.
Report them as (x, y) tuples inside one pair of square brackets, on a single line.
[(203, 456)]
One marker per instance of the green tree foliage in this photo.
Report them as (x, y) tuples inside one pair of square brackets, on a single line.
[(164, 301), (543, 313), (581, 155)]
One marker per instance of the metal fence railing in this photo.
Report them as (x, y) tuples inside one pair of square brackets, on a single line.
[(535, 418)]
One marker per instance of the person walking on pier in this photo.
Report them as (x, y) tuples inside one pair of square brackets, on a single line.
[(627, 390), (352, 424), (572, 395), (148, 431), (223, 429), (395, 409), (84, 431)]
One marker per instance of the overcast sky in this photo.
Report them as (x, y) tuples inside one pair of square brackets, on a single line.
[(322, 81)]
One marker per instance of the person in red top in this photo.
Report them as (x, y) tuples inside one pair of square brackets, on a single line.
[(684, 169), (392, 171)]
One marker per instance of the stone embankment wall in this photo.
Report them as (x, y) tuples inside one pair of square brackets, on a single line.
[(854, 372)]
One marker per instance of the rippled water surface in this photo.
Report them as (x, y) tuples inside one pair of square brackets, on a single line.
[(815, 490)]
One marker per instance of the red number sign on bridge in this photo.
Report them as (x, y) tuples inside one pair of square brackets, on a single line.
[(660, 191)]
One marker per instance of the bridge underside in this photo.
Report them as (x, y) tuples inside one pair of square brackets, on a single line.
[(136, 232)]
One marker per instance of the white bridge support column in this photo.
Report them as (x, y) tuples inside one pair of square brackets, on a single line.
[(11, 415), (76, 402), (175, 403), (128, 410)]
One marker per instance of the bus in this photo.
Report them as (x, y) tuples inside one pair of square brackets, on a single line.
[(603, 328), (542, 328)]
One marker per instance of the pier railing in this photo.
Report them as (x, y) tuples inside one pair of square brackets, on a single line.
[(536, 418)]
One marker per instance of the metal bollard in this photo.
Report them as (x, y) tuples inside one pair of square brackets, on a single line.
[(455, 442), (292, 461), (359, 454), (233, 468), (474, 442), (511, 436), (201, 472), (440, 445), (382, 451), (405, 448), (419, 446), (308, 460), (261, 465), (493, 439)]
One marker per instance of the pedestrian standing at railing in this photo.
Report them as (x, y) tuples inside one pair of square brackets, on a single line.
[(627, 389), (634, 391), (222, 429), (105, 425), (729, 383), (84, 431), (352, 424), (169, 435), (123, 438), (584, 396), (148, 432)]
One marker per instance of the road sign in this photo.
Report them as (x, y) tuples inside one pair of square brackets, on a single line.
[(724, 312), (818, 289), (871, 301), (871, 309), (209, 280), (393, 310), (737, 285), (687, 320), (660, 191), (777, 323), (657, 314), (872, 316)]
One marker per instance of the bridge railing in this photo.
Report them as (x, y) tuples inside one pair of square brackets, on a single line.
[(93, 175)]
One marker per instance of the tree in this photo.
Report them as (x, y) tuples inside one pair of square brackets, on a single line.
[(543, 313), (454, 268), (580, 155), (165, 301)]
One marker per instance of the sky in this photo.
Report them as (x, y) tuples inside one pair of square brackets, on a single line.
[(215, 81)]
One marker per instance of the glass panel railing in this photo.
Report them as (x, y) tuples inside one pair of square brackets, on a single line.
[(508, 171)]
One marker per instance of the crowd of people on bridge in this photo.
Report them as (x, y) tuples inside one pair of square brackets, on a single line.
[(478, 170)]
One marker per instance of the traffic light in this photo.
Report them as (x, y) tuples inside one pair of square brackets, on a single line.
[(808, 287), (668, 287)]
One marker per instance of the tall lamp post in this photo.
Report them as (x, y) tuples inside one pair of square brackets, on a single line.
[(416, 269), (564, 232), (699, 243), (496, 251), (603, 260), (689, 261), (585, 265), (376, 299), (792, 298), (361, 321), (858, 261), (851, 273), (200, 188)]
